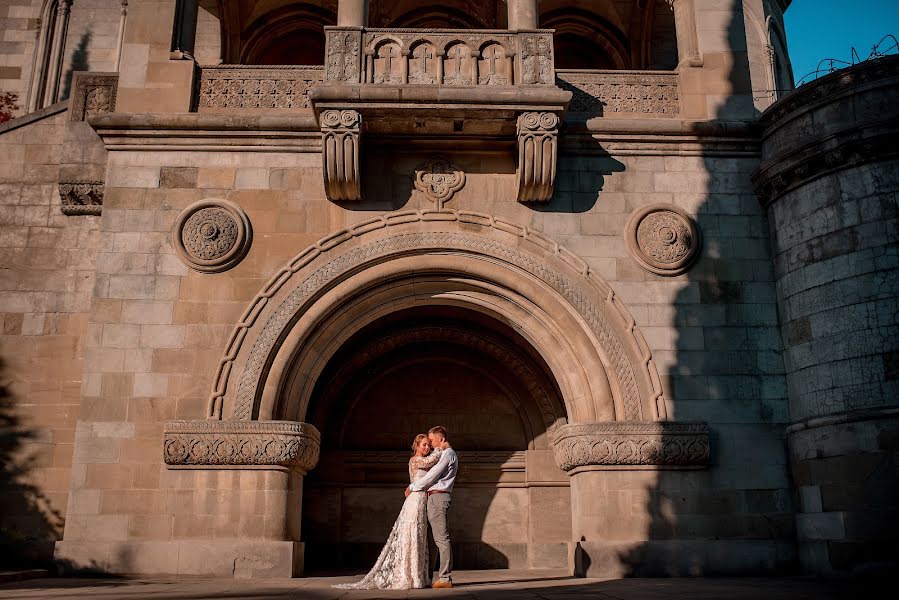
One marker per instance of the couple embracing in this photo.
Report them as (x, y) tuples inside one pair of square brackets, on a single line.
[(403, 563)]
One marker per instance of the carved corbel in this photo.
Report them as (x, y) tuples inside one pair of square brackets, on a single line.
[(537, 153), (340, 154)]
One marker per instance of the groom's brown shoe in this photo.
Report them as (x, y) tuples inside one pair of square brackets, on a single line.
[(442, 584)]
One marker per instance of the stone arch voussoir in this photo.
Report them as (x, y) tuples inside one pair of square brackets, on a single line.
[(566, 279)]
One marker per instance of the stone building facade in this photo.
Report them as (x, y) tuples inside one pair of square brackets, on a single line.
[(251, 248)]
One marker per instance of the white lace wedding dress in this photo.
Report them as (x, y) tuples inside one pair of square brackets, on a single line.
[(403, 563)]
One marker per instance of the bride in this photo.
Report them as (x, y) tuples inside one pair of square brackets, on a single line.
[(403, 563)]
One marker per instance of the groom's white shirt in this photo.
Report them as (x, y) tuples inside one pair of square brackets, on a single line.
[(441, 477)]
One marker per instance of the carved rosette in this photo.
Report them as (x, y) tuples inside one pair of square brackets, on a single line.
[(537, 153), (584, 446), (242, 443), (93, 93), (81, 197), (211, 236), (439, 180), (340, 154), (663, 239)]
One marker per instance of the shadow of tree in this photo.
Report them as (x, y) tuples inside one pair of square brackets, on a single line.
[(29, 525), (80, 62)]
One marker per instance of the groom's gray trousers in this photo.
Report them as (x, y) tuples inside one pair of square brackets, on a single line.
[(438, 505)]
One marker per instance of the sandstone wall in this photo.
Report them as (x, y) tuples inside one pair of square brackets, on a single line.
[(831, 179), (46, 282)]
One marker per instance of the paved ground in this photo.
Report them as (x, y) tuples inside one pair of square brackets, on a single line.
[(471, 585)]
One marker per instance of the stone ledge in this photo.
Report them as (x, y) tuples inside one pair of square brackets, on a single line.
[(241, 443), (587, 446)]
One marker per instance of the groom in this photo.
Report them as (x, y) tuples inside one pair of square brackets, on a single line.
[(439, 484)]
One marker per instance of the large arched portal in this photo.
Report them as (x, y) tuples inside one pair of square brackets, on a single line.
[(416, 318), (403, 373)]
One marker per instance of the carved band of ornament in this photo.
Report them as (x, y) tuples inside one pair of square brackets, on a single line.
[(662, 239), (234, 86), (537, 155), (242, 443), (340, 154), (648, 443), (81, 197), (212, 235), (93, 94), (601, 93), (774, 180)]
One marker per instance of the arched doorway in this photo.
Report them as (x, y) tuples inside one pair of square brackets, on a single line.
[(400, 375)]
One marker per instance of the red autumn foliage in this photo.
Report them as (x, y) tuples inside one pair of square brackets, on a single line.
[(8, 106)]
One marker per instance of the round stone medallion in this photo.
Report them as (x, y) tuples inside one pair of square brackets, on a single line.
[(212, 235), (663, 239)]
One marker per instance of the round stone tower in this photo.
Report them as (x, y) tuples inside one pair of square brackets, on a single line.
[(830, 180)]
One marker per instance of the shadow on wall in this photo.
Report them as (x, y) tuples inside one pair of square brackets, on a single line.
[(736, 517), (29, 525), (79, 63)]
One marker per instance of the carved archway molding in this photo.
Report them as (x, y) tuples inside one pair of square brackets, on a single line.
[(490, 250)]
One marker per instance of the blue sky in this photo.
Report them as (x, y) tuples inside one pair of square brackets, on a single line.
[(819, 29)]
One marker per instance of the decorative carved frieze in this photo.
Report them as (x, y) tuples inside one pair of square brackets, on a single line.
[(81, 197), (629, 443), (439, 57), (439, 180), (243, 87), (211, 236), (342, 59), (605, 93), (537, 153), (93, 93), (662, 239), (340, 154), (241, 443)]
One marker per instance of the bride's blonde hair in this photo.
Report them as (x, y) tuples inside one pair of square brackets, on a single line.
[(418, 439)]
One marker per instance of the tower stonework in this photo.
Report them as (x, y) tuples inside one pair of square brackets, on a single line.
[(251, 249)]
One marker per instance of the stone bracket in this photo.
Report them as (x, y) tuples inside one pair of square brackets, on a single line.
[(538, 134), (81, 197), (598, 445), (204, 444), (340, 154)]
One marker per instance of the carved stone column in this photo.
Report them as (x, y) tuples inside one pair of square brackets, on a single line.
[(537, 152), (685, 29), (352, 13), (184, 29), (522, 14), (340, 154), (57, 51), (121, 36)]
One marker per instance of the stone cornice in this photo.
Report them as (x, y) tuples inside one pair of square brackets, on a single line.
[(585, 446), (241, 443)]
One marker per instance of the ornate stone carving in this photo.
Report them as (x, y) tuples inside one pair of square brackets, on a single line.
[(617, 443), (596, 317), (439, 180), (607, 93), (212, 235), (537, 59), (93, 93), (241, 443), (237, 86), (537, 153), (342, 60), (340, 154), (663, 239), (81, 197)]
